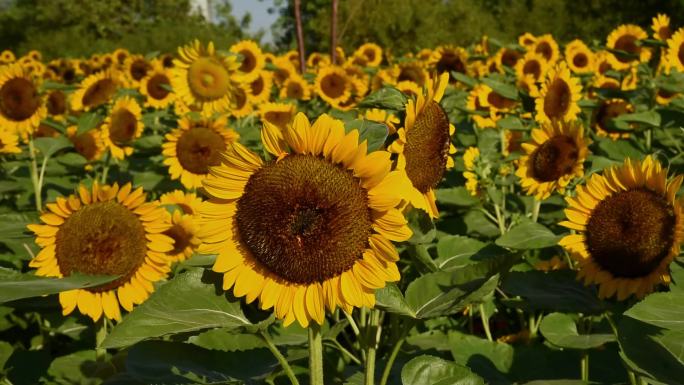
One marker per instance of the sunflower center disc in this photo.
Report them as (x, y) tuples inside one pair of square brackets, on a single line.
[(427, 147), (86, 145), (555, 158), (680, 53), (333, 85), (200, 148), (103, 238), (248, 61), (139, 69), (580, 60), (123, 126), (278, 118), (628, 44), (181, 238), (208, 78), (18, 99), (450, 61), (305, 219), (557, 100), (630, 232), (532, 67), (56, 103), (155, 86), (544, 48), (98, 93), (610, 110)]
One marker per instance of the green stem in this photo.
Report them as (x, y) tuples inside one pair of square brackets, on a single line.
[(500, 220), (372, 333), (279, 356), (649, 137), (585, 366), (100, 335), (315, 354), (535, 210), (105, 168), (34, 176), (485, 322), (393, 354), (632, 377)]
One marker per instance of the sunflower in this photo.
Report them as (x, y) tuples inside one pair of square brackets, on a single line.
[(557, 99), (625, 38), (602, 63), (135, 69), (449, 58), (579, 57), (629, 226), (7, 57), (56, 103), (194, 146), (371, 52), (603, 82), (359, 78), (553, 158), (546, 46), (88, 144), (630, 80), (21, 106), (284, 69), (203, 77), (532, 64), (120, 56), (424, 144), (527, 84), (495, 102), (661, 27), (9, 142), (409, 88), (384, 77), (242, 101), (312, 250), (412, 71), (252, 60), (507, 57), (295, 87), (332, 85), (606, 112), (470, 157), (260, 88), (664, 97), (188, 203), (122, 126), (473, 104), (527, 40), (105, 230), (317, 59), (183, 232), (675, 51), (278, 114), (156, 87), (382, 116), (95, 90)]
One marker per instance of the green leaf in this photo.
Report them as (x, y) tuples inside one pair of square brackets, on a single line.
[(649, 118), (430, 370), (665, 310), (162, 362), (488, 359), (511, 123), (13, 225), (14, 285), (87, 121), (465, 79), (457, 196), (5, 352), (560, 330), (148, 142), (455, 251), (49, 146), (619, 149), (375, 133), (448, 292), (227, 340), (508, 91), (78, 368), (189, 302), (390, 299), (674, 82), (526, 236), (422, 226), (386, 98)]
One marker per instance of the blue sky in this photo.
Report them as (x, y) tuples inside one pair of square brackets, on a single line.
[(261, 19)]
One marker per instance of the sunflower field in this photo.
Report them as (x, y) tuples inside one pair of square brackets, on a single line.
[(507, 212)]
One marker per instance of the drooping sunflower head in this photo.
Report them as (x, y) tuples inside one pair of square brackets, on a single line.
[(312, 250), (96, 90), (103, 230), (21, 105), (333, 85), (371, 53), (449, 58), (261, 87), (252, 60), (122, 126), (558, 96), (661, 27), (625, 38), (547, 47), (194, 146), (532, 64), (424, 144), (553, 158), (296, 88), (156, 87), (277, 114), (629, 227), (202, 76), (579, 57), (675, 51)]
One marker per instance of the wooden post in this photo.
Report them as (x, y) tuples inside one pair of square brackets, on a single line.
[(333, 32), (300, 35)]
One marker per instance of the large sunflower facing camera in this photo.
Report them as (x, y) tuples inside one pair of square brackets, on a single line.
[(310, 229)]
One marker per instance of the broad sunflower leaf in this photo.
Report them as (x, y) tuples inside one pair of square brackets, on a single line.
[(189, 302), (49, 146), (560, 329), (87, 121), (373, 132), (15, 285), (620, 149), (430, 370), (422, 227), (529, 235), (489, 359), (390, 299), (457, 196), (649, 118), (386, 98), (665, 310), (455, 251), (5, 352), (77, 368), (508, 91), (511, 123)]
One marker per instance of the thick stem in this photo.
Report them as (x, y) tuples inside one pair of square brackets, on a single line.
[(105, 168), (649, 138), (34, 176), (584, 366), (535, 210), (485, 322), (315, 354), (372, 335), (500, 220), (300, 35), (333, 32), (394, 353), (100, 335), (279, 356)]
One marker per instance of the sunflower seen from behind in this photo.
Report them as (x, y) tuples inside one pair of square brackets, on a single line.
[(311, 229), (122, 126), (628, 227), (103, 230), (194, 146), (21, 105), (423, 145), (553, 158)]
